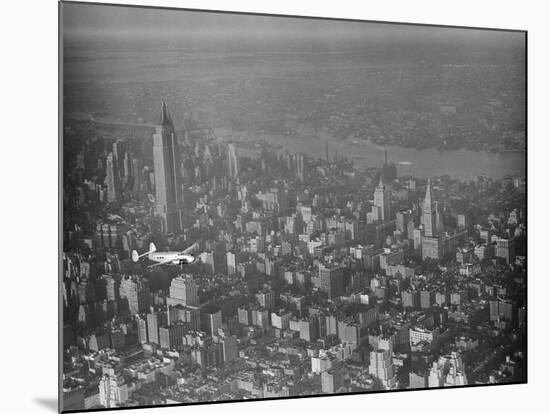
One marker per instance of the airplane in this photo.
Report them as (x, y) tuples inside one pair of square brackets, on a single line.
[(175, 258)]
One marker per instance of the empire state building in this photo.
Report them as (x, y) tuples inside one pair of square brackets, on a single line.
[(429, 212), (166, 157)]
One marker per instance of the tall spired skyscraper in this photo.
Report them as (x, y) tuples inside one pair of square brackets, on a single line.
[(166, 157), (382, 200), (429, 213)]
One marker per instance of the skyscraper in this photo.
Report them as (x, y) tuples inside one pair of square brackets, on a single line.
[(183, 291), (232, 161), (211, 320), (382, 200), (136, 291), (402, 220), (119, 148), (168, 187), (505, 248), (266, 299), (128, 167), (331, 280), (231, 259), (111, 179), (137, 169), (448, 371), (171, 336), (111, 288), (388, 171), (113, 391), (332, 380), (155, 321), (142, 330), (300, 166), (429, 212), (229, 348), (381, 366)]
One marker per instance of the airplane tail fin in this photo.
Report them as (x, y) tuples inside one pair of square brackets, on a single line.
[(135, 256), (152, 247)]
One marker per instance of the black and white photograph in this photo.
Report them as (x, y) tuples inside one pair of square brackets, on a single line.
[(258, 206)]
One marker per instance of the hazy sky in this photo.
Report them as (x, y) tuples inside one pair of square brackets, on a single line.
[(82, 21)]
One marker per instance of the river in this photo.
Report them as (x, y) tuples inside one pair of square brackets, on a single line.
[(459, 164)]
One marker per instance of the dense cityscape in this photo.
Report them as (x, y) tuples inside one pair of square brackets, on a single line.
[(314, 274), (313, 278)]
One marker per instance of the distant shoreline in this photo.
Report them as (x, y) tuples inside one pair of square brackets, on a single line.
[(86, 117)]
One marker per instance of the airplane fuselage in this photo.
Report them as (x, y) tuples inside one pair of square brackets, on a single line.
[(175, 258)]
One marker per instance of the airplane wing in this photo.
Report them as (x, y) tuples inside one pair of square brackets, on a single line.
[(160, 263), (190, 248)]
